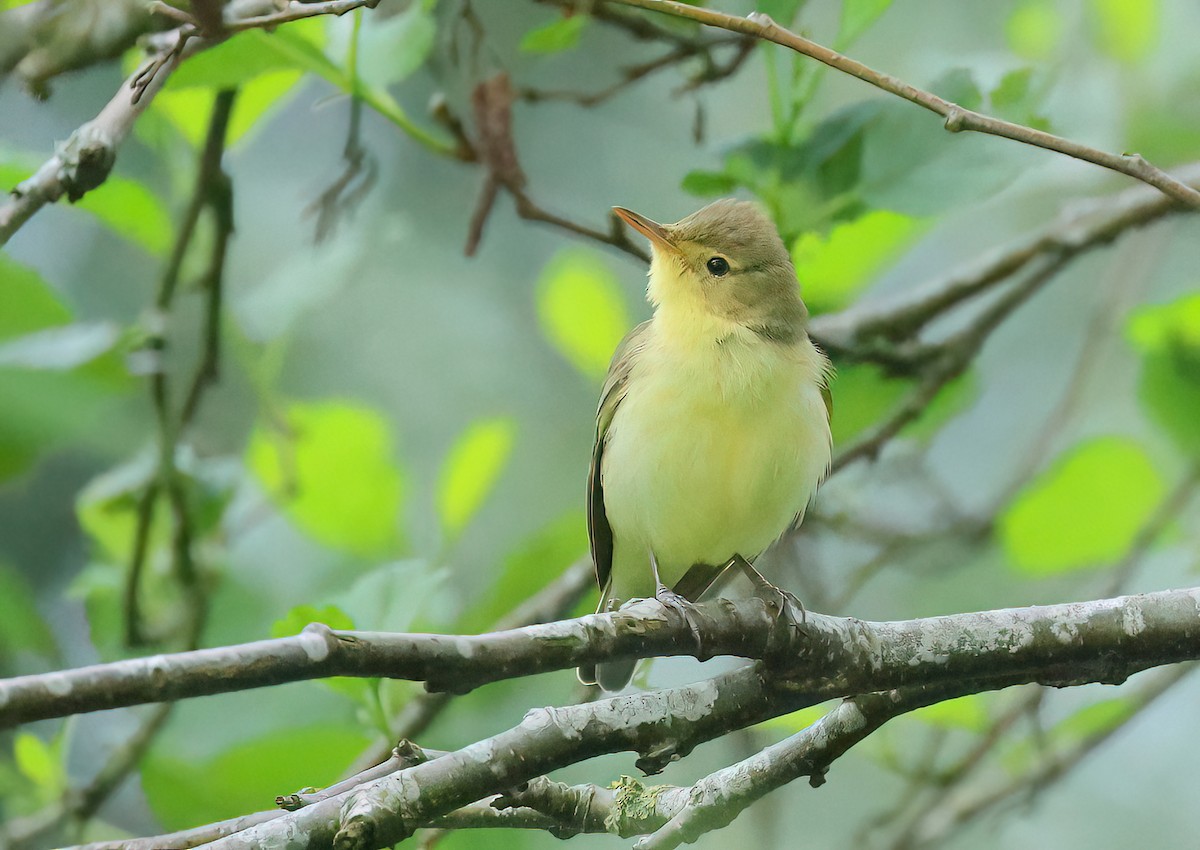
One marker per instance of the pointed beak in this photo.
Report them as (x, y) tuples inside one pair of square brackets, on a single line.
[(652, 230)]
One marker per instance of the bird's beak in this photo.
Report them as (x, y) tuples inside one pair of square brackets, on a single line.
[(652, 230)]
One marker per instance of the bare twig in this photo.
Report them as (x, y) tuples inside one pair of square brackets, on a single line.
[(492, 101), (85, 160), (947, 361), (78, 805), (957, 119), (950, 812), (212, 190), (860, 330), (919, 815), (710, 72), (720, 797)]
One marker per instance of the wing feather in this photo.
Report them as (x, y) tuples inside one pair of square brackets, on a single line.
[(600, 535)]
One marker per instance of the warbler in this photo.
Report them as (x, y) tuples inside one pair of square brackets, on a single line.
[(712, 432)]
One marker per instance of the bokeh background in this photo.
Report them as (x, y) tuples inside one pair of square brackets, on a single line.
[(400, 434)]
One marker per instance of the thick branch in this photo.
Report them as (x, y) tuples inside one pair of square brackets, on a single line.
[(1104, 641), (957, 118)]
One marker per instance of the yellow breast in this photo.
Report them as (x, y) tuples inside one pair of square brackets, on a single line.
[(714, 450)]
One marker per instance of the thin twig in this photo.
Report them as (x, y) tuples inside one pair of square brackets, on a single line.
[(957, 118), (710, 72), (211, 190)]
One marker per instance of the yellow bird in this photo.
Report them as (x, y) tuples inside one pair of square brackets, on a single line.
[(712, 432)]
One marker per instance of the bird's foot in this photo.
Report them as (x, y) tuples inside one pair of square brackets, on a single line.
[(782, 603), (677, 601)]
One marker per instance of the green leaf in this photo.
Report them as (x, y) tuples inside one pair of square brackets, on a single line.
[(389, 49), (966, 712), (533, 565), (470, 470), (21, 626), (258, 98), (958, 86), (392, 597), (60, 348), (332, 472), (1012, 89), (782, 12), (40, 764), (1127, 30), (832, 269), (800, 720), (1015, 98), (581, 309), (124, 206), (303, 615), (857, 18), (42, 407), (246, 777), (107, 509), (1168, 338), (130, 210), (708, 183), (1095, 719), (29, 302), (357, 689), (558, 35), (1034, 30), (1084, 511), (227, 65), (862, 393), (188, 109), (296, 48)]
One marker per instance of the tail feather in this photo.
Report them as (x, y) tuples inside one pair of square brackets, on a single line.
[(610, 675), (615, 675)]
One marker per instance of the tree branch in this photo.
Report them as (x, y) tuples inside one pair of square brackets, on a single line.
[(862, 329), (1105, 640), (85, 160), (957, 119)]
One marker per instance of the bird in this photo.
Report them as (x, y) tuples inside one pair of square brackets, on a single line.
[(712, 431)]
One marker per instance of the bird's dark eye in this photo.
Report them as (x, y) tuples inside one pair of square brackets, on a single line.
[(718, 266)]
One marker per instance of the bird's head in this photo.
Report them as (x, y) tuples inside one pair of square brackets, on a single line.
[(722, 269)]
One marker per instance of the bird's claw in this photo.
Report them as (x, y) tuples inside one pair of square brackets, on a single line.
[(783, 603), (670, 599)]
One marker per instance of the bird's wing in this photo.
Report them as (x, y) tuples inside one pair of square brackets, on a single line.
[(599, 531)]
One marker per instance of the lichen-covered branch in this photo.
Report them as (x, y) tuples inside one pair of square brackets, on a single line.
[(1101, 641)]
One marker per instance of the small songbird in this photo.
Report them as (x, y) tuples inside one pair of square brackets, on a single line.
[(712, 432)]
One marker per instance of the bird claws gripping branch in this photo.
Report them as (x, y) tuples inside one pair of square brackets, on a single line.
[(782, 605), (668, 598)]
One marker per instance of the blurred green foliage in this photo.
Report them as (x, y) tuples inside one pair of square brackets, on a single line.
[(329, 465), (404, 461), (581, 310), (1085, 510), (1168, 338)]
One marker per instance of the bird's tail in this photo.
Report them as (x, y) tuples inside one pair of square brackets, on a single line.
[(612, 676)]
